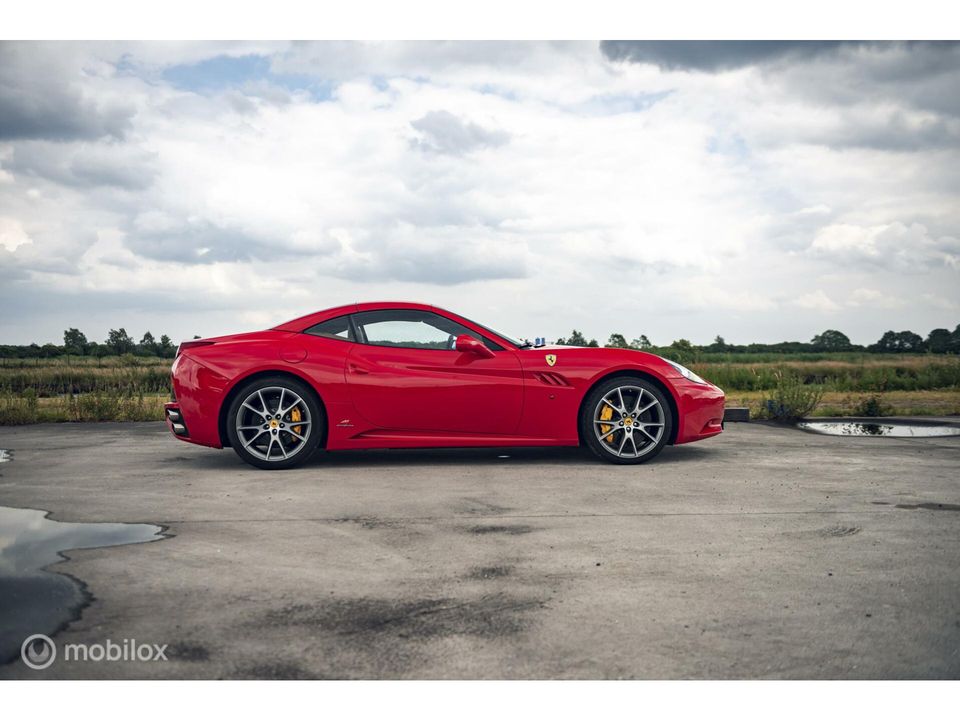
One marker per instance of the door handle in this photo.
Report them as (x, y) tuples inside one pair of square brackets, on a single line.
[(357, 370)]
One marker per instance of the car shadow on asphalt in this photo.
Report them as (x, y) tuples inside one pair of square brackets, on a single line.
[(426, 457), (490, 456)]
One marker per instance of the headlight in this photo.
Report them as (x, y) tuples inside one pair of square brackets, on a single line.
[(687, 373)]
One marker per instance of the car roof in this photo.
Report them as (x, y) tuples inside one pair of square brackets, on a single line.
[(302, 323)]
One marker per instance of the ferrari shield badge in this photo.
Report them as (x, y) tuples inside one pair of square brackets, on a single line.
[(551, 359)]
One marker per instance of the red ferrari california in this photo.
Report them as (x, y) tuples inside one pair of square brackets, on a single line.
[(406, 375)]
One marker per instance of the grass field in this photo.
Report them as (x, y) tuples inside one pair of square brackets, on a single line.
[(131, 388)]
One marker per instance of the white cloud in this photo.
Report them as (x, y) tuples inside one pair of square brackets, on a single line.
[(12, 234), (907, 248), (817, 300), (532, 185), (869, 297)]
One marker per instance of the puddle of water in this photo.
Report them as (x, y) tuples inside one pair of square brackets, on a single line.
[(34, 600), (5, 456), (877, 429)]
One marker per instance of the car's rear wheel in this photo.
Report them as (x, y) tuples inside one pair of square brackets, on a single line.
[(626, 420), (275, 422)]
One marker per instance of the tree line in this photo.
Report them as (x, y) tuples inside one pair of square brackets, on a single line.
[(75, 343), (940, 341), (119, 342)]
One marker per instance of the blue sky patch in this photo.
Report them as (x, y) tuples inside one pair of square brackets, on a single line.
[(225, 72)]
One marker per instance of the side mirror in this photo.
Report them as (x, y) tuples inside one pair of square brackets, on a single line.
[(469, 344)]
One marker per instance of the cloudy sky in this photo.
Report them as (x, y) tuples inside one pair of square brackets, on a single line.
[(761, 191)]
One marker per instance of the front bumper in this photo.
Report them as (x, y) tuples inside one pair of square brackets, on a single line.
[(701, 411)]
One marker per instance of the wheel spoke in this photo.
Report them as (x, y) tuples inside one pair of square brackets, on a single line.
[(611, 405), (247, 443), (608, 434), (266, 408), (644, 431), (634, 443), (283, 392), (623, 405), (296, 435), (251, 408), (647, 407), (636, 408), (283, 450)]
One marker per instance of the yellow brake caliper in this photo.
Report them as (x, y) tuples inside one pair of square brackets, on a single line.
[(294, 416), (606, 414)]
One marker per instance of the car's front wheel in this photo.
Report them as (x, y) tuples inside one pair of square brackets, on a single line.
[(626, 420), (275, 423)]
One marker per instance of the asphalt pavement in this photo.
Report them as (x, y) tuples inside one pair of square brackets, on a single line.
[(767, 552)]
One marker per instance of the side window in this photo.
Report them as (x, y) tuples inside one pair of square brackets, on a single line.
[(338, 327), (417, 329)]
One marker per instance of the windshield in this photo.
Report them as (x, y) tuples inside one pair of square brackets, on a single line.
[(512, 341)]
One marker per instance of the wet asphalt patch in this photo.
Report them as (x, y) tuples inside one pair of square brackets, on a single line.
[(929, 506), (490, 572), (840, 531), (490, 616), (188, 652), (34, 599), (502, 529)]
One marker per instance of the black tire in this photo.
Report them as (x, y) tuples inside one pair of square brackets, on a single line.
[(277, 428), (628, 438)]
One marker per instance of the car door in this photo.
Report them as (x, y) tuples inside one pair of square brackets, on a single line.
[(404, 374)]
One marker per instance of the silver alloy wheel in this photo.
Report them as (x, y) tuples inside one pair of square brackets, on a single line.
[(624, 415), (268, 425)]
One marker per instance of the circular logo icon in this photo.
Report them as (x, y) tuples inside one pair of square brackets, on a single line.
[(38, 652)]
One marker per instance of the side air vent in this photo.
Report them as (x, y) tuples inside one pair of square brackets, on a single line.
[(551, 378)]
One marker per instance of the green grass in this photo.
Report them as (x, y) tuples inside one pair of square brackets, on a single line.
[(27, 408), (866, 373), (843, 404)]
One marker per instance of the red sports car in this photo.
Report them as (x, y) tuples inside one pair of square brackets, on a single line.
[(406, 375)]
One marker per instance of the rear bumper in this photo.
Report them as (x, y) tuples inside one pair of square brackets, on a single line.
[(199, 393), (701, 411), (175, 422)]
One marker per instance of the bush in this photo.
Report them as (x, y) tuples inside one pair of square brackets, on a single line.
[(18, 410), (872, 406), (790, 400)]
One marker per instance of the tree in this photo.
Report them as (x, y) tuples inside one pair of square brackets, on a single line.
[(682, 351), (593, 343), (641, 343), (74, 342), (147, 346), (831, 341), (938, 341), (576, 338), (954, 345), (898, 342), (166, 348), (119, 342), (50, 350), (616, 340)]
